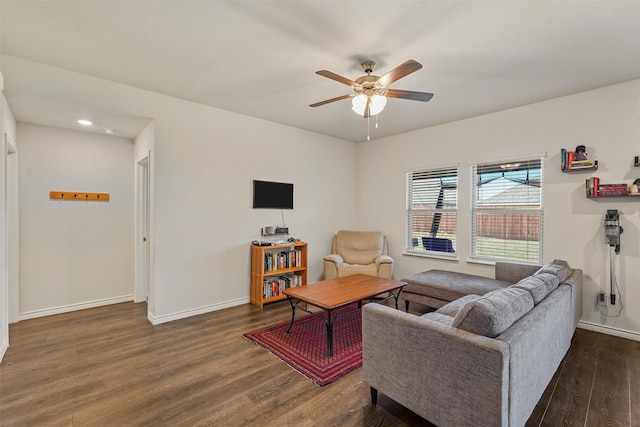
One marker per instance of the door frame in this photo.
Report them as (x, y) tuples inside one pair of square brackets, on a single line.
[(7, 149), (142, 231)]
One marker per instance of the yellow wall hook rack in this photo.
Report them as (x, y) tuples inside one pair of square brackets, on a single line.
[(70, 195)]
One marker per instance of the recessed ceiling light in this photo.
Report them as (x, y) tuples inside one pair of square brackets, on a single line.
[(84, 122), (109, 131)]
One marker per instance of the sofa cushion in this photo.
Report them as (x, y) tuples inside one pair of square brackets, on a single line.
[(557, 267), (359, 247), (345, 269), (493, 313), (450, 285), (440, 318), (513, 272), (539, 285), (452, 308)]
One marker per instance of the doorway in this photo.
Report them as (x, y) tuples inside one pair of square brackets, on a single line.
[(142, 287), (6, 235)]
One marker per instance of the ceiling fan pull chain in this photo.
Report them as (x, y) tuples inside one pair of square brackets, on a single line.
[(376, 121), (368, 121)]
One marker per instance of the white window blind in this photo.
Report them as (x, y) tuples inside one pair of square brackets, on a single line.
[(432, 203), (507, 211)]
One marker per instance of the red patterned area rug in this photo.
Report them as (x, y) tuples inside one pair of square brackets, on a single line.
[(305, 347)]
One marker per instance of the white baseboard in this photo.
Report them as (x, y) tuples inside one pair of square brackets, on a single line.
[(196, 311), (73, 307), (622, 333)]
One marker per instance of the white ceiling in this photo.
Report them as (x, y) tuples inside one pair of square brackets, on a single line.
[(259, 57)]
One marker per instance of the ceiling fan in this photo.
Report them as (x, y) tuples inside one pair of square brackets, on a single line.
[(371, 92)]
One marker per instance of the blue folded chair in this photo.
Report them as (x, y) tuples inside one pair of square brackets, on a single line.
[(437, 244)]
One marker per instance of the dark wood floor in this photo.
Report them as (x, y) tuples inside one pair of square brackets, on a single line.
[(109, 367)]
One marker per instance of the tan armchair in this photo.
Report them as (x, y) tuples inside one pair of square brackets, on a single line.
[(355, 252)]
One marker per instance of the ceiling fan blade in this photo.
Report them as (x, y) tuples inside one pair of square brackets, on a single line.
[(408, 94), (399, 72), (327, 101), (338, 78)]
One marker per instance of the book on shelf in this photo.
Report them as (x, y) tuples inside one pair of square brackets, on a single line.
[(280, 260), (612, 193), (275, 286), (570, 156), (569, 162), (614, 186), (583, 164), (591, 186)]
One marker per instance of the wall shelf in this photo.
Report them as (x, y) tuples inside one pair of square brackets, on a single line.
[(569, 165), (582, 169), (623, 196), (596, 190)]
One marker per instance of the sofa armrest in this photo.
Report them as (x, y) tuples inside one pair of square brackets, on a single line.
[(513, 272), (383, 259), (447, 375), (331, 263), (384, 266), (334, 258), (575, 281)]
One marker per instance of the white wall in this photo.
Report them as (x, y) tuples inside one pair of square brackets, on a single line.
[(204, 163), (204, 160), (606, 120), (74, 254)]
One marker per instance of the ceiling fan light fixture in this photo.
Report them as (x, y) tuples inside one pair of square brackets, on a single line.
[(377, 104), (359, 103)]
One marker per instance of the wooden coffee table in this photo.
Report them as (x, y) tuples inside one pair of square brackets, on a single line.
[(335, 293)]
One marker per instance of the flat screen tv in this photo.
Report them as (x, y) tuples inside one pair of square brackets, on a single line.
[(272, 195)]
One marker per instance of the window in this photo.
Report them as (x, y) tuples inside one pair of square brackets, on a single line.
[(506, 205), (432, 202)]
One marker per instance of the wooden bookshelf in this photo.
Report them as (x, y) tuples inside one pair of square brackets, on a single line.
[(266, 268)]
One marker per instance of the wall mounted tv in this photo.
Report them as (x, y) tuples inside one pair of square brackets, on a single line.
[(272, 195)]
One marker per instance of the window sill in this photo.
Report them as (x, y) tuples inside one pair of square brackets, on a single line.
[(432, 255), (482, 261), (493, 261)]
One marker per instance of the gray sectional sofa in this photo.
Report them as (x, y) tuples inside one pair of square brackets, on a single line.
[(480, 360)]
